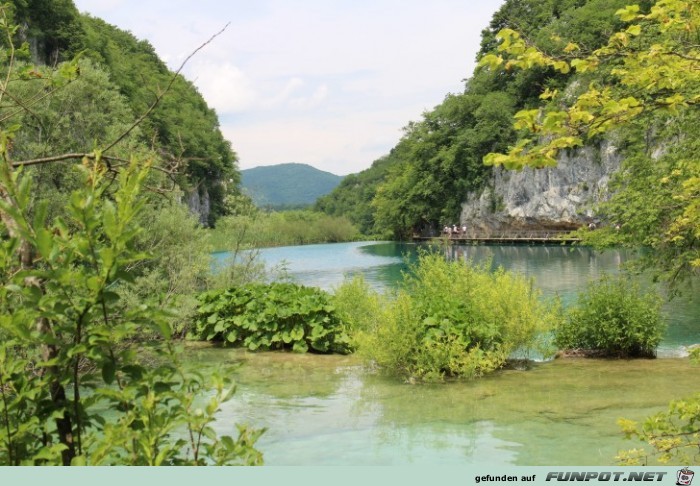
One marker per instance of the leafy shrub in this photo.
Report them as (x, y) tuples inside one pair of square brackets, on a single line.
[(448, 320), (70, 349), (613, 316), (271, 316), (358, 307)]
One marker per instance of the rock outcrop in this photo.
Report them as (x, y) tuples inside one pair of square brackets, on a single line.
[(560, 197), (199, 203)]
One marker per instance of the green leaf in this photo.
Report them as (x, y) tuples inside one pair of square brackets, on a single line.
[(628, 13), (232, 336), (44, 242), (297, 333), (634, 30), (108, 372), (300, 347)]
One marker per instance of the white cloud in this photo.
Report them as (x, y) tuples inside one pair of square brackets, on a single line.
[(283, 95), (309, 102), (341, 145), (225, 87)]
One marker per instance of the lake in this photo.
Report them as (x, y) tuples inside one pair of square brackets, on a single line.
[(330, 410)]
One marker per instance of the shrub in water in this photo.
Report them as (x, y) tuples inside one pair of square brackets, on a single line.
[(614, 317), (271, 316), (449, 319)]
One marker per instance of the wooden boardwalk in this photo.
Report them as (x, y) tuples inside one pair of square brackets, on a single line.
[(523, 237)]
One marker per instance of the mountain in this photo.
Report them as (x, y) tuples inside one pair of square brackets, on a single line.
[(287, 185)]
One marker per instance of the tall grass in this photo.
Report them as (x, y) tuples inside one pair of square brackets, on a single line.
[(261, 229)]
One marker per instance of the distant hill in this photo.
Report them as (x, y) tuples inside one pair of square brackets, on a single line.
[(287, 185)]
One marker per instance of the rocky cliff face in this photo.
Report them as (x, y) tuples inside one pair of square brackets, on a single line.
[(558, 197), (199, 204)]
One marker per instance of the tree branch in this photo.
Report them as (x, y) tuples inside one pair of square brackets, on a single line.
[(64, 157)]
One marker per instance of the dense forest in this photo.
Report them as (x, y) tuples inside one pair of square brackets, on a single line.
[(290, 185), (182, 128)]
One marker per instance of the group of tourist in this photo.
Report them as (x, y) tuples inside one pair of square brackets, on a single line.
[(454, 230)]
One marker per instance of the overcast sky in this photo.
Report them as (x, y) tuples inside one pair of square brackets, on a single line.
[(327, 83)]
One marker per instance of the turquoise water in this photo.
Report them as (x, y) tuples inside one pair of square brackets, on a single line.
[(558, 270), (331, 410), (327, 265)]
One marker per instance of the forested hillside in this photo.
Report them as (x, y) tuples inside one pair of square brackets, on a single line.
[(425, 179), (287, 185), (181, 128)]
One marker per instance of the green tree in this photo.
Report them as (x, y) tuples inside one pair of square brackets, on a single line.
[(85, 113), (440, 162), (649, 71), (182, 125), (354, 195), (53, 26)]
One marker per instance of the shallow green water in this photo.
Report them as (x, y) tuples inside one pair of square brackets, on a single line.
[(329, 410)]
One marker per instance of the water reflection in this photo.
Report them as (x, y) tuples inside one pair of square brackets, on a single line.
[(557, 270), (327, 265)]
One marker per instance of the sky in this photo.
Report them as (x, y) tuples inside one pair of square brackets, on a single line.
[(326, 83)]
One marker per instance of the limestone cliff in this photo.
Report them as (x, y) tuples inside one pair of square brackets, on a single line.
[(557, 197), (199, 203)]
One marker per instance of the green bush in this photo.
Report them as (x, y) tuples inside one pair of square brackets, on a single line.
[(450, 319), (70, 349), (271, 316), (615, 318)]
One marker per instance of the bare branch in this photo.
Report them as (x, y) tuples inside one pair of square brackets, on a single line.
[(64, 157), (21, 104), (34, 101), (11, 63)]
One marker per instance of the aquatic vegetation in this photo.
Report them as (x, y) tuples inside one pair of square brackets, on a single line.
[(613, 316), (449, 319), (271, 316)]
